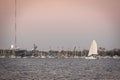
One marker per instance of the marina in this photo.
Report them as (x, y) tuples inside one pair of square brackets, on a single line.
[(19, 53)]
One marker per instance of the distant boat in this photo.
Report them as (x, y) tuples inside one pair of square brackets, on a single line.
[(76, 57), (2, 56), (43, 57), (12, 56), (116, 57), (93, 50)]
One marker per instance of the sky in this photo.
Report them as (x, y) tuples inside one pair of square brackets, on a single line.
[(60, 24)]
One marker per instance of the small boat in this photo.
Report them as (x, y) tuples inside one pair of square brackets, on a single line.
[(43, 57), (76, 57), (2, 56), (12, 56), (116, 57)]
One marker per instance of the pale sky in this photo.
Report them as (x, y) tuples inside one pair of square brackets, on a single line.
[(60, 23)]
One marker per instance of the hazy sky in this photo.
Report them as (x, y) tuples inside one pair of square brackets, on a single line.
[(60, 23)]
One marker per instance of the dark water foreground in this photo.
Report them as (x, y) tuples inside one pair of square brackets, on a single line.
[(59, 69)]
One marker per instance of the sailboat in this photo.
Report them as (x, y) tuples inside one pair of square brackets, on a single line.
[(14, 48), (93, 51)]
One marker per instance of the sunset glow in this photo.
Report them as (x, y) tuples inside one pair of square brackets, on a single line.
[(60, 23)]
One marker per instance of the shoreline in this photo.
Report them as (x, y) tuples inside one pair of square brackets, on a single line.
[(32, 57)]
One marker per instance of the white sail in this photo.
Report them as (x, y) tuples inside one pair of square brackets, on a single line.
[(93, 48)]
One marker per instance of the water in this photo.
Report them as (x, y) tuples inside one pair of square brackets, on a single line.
[(59, 69)]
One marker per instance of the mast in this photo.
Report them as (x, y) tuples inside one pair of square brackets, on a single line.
[(74, 51), (15, 25)]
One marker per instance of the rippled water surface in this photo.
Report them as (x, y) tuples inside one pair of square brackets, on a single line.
[(59, 69)]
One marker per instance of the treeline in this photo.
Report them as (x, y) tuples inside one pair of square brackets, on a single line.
[(58, 54), (101, 52), (111, 53)]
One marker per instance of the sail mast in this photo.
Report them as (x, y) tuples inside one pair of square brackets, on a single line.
[(15, 26)]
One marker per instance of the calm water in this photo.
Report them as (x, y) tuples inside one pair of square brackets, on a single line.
[(59, 69)]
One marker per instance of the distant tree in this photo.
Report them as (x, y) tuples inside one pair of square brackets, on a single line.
[(110, 53), (116, 52), (79, 53), (85, 52), (101, 51)]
